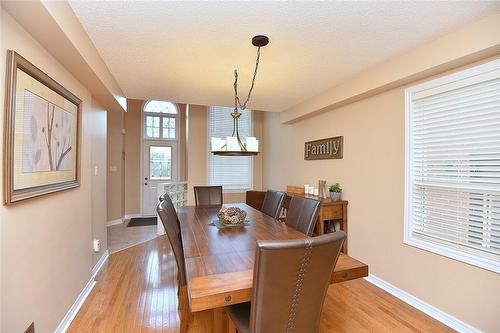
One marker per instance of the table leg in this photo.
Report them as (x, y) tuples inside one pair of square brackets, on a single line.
[(344, 227), (320, 226), (220, 320)]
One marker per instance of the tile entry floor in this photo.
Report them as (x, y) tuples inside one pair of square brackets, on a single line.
[(120, 237)]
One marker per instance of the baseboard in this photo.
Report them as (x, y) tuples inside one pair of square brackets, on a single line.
[(131, 216), (428, 309), (114, 222), (100, 263), (73, 310)]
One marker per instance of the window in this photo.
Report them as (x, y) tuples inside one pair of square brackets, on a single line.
[(168, 128), (234, 172), (160, 120), (160, 163), (160, 107), (152, 127), (452, 201)]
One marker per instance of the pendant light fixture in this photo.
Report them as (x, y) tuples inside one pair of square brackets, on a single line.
[(233, 145)]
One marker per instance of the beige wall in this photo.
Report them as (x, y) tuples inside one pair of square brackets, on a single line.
[(115, 162), (133, 158), (99, 176), (46, 257), (182, 142), (197, 150), (372, 176)]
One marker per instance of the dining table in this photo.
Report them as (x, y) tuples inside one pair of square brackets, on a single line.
[(219, 260)]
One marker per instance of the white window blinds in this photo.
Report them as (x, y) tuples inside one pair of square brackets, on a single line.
[(453, 166), (232, 172)]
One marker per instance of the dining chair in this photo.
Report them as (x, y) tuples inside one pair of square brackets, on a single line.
[(163, 196), (273, 202), (170, 221), (208, 195), (290, 281), (255, 199), (302, 214)]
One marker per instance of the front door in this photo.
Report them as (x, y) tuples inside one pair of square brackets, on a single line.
[(159, 166)]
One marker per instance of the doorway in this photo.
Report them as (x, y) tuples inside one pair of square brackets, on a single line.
[(160, 134), (158, 163), (159, 166)]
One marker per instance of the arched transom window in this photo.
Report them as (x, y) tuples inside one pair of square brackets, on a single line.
[(160, 120)]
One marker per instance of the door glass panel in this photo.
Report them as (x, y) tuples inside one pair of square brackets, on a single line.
[(152, 127), (160, 163), (168, 128)]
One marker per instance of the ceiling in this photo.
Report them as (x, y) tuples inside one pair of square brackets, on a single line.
[(186, 51)]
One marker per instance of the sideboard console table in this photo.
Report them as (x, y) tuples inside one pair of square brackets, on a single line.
[(329, 210)]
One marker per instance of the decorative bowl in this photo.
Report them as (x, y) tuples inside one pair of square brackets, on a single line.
[(232, 216)]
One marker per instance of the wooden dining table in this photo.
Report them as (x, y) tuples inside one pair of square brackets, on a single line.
[(219, 262)]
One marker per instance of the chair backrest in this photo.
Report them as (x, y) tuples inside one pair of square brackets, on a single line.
[(170, 221), (290, 282), (273, 201), (302, 214), (208, 195), (255, 199), (163, 196)]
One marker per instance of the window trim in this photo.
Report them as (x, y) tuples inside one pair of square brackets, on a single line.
[(209, 154), (408, 238), (161, 116)]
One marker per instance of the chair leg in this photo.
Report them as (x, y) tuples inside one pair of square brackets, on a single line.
[(185, 313)]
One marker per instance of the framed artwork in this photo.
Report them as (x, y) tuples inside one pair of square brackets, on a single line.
[(42, 133)]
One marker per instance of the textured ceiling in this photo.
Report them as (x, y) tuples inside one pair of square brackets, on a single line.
[(186, 51)]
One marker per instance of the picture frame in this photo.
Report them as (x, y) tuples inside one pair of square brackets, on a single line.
[(324, 149), (42, 133)]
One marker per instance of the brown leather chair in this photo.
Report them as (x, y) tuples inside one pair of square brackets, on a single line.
[(170, 221), (273, 202), (208, 195), (290, 282), (163, 196), (302, 214), (255, 199)]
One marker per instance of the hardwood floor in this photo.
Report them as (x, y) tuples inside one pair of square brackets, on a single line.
[(136, 292)]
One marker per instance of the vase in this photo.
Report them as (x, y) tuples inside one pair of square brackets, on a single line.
[(335, 196), (323, 190)]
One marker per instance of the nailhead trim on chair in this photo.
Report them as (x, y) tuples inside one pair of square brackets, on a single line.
[(299, 284)]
